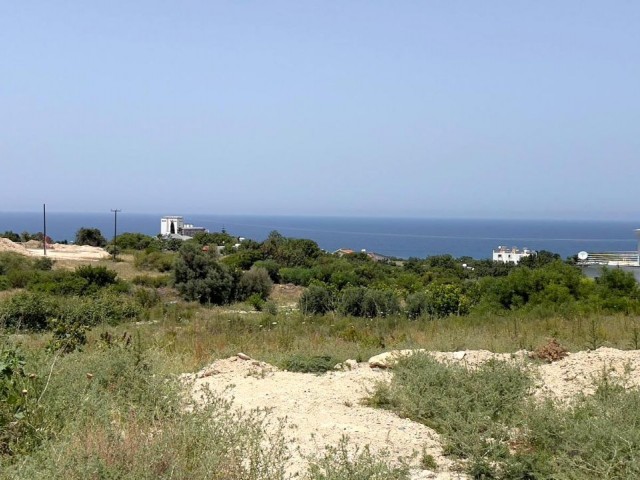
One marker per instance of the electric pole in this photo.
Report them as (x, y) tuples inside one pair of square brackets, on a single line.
[(115, 232), (44, 222)]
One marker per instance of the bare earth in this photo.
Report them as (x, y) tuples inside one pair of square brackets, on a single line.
[(55, 251), (320, 409)]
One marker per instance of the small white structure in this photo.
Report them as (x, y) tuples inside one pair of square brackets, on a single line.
[(171, 225), (510, 255)]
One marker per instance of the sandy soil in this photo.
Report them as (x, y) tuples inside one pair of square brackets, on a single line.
[(319, 409), (55, 251)]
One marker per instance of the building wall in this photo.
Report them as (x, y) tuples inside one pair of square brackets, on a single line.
[(167, 222)]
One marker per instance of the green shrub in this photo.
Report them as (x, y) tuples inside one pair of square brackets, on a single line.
[(296, 275), (343, 463), (472, 409), (310, 364), (152, 282), (417, 305), (99, 276), (154, 260), (198, 276), (316, 300), (255, 281), (30, 311)]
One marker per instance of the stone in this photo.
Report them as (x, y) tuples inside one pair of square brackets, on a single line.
[(243, 356), (459, 355)]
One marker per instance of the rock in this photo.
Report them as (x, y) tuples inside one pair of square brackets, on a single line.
[(243, 356), (459, 355), (350, 364), (389, 359)]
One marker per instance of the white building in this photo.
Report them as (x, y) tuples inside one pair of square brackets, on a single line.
[(174, 225), (171, 225), (510, 255)]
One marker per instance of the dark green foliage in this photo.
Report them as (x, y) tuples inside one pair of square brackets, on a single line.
[(60, 282), (105, 308), (154, 260), (30, 311), (136, 241), (556, 284), (255, 281), (290, 252), (43, 263), (367, 302), (153, 282), (310, 364), (67, 336), (13, 236), (13, 401), (10, 261), (272, 267), (316, 300), (539, 259), (214, 239), (198, 276), (99, 276), (297, 275), (90, 236), (417, 305), (85, 280), (445, 300)]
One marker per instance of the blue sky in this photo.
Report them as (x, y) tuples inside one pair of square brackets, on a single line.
[(506, 109)]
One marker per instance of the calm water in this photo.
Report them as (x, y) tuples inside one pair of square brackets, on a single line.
[(399, 237)]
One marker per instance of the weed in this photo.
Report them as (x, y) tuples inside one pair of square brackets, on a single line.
[(342, 462)]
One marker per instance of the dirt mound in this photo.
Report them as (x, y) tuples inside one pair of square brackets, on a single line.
[(54, 251), (7, 245), (319, 409)]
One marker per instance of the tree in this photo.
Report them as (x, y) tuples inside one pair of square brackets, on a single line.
[(198, 276), (90, 236)]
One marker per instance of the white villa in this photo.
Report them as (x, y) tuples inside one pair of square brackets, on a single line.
[(510, 255), (173, 225)]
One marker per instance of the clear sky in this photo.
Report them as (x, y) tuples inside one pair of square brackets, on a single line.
[(527, 109)]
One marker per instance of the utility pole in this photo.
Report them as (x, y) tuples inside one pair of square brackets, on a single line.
[(115, 232), (44, 221)]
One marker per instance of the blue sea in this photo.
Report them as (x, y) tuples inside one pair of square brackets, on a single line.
[(397, 237)]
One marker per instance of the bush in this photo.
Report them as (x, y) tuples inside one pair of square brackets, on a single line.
[(30, 311), (366, 302), (316, 300), (341, 463), (310, 364), (160, 261), (417, 305), (255, 281), (472, 409), (298, 275), (152, 282), (98, 276)]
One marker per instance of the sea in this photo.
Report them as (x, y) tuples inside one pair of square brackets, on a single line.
[(394, 237)]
